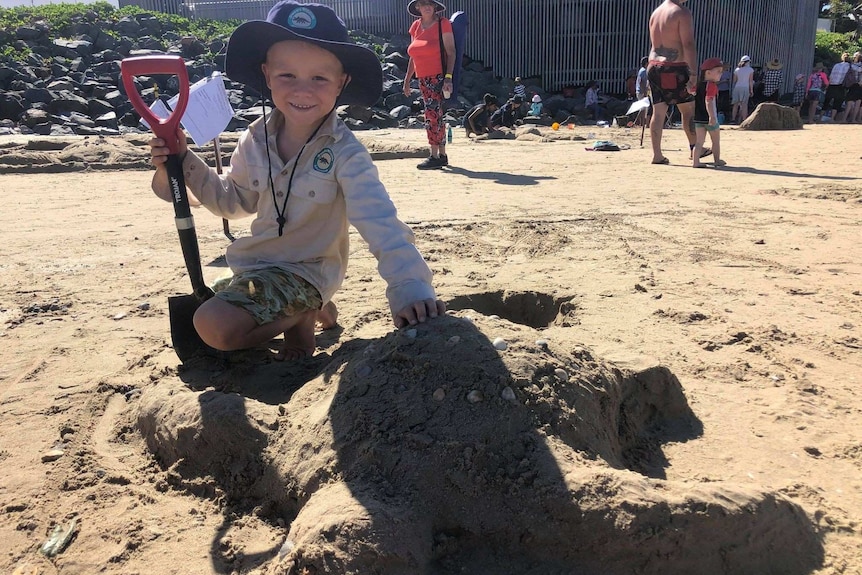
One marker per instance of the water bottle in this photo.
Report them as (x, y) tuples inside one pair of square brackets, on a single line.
[(448, 132)]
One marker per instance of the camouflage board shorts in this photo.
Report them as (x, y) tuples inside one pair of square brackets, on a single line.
[(668, 83), (268, 294)]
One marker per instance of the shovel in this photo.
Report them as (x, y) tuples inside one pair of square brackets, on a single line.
[(186, 341)]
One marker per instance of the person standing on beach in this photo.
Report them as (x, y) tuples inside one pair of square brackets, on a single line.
[(641, 82), (673, 57), (817, 83), (743, 89), (854, 92), (706, 112), (836, 93), (432, 62), (773, 78), (642, 91)]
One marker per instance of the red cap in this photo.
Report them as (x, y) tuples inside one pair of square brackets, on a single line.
[(711, 63)]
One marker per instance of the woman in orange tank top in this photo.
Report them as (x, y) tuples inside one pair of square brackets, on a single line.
[(433, 70)]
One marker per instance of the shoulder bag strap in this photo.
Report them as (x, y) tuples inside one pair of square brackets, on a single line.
[(442, 49)]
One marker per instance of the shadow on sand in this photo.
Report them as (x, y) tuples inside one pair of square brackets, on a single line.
[(429, 451), (499, 177)]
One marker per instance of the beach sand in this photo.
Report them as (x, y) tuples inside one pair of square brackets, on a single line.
[(678, 393)]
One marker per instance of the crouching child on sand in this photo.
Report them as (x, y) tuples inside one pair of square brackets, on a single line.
[(304, 176), (706, 112)]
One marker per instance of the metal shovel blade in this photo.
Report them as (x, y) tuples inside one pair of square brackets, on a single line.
[(184, 337)]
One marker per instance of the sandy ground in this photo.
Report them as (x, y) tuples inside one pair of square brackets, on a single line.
[(743, 283)]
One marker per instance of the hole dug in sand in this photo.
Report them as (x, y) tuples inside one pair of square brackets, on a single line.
[(429, 451), (533, 309)]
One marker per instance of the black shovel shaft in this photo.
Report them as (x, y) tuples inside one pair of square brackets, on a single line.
[(186, 227)]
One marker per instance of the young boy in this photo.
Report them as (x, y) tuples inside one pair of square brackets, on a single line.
[(519, 89), (304, 176), (478, 118), (706, 112), (507, 115)]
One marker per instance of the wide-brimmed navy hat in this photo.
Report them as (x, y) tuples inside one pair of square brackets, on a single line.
[(414, 10), (313, 23)]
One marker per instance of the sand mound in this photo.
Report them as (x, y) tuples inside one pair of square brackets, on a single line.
[(530, 133), (78, 153), (434, 450), (383, 150), (770, 116), (74, 154)]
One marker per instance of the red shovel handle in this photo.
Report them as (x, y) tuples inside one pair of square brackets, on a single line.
[(164, 128)]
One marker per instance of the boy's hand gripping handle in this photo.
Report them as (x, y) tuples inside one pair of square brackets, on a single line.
[(166, 129)]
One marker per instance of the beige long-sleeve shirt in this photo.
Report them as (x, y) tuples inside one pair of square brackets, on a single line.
[(336, 184)]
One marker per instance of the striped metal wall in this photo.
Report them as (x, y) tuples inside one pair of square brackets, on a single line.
[(575, 41), (166, 6)]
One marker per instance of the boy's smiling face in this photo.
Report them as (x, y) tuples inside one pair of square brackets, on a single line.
[(305, 81)]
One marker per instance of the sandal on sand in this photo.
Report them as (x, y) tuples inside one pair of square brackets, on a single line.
[(704, 153), (663, 161), (719, 163)]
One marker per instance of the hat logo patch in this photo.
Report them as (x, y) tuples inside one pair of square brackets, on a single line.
[(323, 161), (302, 18)]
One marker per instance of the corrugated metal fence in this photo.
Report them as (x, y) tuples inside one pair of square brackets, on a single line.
[(575, 41)]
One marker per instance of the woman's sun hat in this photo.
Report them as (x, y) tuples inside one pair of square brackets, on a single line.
[(313, 23), (536, 98), (414, 9), (774, 64), (745, 60)]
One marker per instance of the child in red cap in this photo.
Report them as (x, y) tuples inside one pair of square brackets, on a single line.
[(706, 112)]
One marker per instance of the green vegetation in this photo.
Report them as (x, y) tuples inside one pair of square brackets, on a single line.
[(60, 19), (828, 46), (204, 29)]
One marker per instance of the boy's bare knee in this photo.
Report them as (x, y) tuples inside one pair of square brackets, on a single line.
[(215, 331)]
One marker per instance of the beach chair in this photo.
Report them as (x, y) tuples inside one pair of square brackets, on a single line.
[(669, 119)]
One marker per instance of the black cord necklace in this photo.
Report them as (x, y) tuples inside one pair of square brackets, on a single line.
[(281, 219)]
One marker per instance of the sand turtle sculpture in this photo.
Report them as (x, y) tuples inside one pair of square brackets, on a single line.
[(469, 445)]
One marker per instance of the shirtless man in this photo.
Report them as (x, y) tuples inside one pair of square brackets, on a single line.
[(672, 58)]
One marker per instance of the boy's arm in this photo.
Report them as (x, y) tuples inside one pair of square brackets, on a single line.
[(370, 210), (471, 119), (712, 109), (159, 153), (233, 194)]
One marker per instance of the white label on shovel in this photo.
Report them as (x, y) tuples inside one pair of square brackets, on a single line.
[(207, 113)]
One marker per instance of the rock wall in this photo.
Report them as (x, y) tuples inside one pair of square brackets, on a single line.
[(72, 85)]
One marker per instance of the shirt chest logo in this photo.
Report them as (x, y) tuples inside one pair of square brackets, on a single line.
[(324, 161)]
